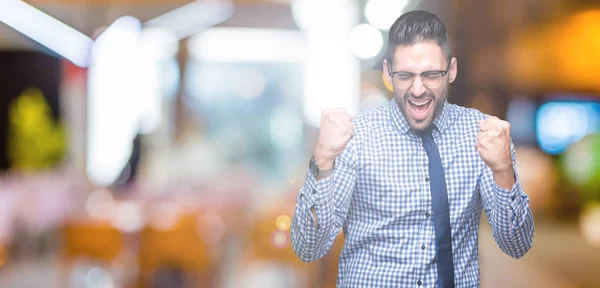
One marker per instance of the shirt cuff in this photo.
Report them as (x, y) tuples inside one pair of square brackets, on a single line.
[(316, 192), (508, 199)]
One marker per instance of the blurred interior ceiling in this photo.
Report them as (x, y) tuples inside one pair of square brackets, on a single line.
[(87, 16), (485, 41)]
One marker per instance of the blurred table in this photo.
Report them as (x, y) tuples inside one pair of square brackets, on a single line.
[(559, 258)]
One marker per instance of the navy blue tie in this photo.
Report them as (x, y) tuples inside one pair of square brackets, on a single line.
[(441, 213)]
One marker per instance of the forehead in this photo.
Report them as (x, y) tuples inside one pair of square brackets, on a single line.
[(421, 56)]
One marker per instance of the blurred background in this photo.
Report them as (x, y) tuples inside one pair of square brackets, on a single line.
[(162, 143)]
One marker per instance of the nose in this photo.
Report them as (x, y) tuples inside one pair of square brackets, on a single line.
[(418, 88)]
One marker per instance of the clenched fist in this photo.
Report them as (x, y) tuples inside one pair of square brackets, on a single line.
[(335, 133), (493, 144)]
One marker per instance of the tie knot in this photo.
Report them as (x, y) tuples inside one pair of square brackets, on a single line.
[(426, 135)]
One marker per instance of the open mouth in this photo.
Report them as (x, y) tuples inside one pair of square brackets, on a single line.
[(419, 109)]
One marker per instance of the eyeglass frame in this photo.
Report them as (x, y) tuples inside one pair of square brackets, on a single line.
[(391, 74)]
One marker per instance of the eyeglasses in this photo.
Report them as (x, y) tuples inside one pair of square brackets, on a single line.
[(431, 79)]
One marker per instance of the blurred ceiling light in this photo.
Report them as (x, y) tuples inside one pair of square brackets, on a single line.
[(46, 30), (326, 25), (194, 17), (383, 13), (560, 124), (158, 43), (365, 41), (113, 115), (155, 48), (247, 45), (125, 31), (313, 16)]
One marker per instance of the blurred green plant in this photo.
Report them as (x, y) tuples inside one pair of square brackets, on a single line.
[(581, 165), (35, 140)]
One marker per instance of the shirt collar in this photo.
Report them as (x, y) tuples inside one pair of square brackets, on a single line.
[(443, 120), (398, 120)]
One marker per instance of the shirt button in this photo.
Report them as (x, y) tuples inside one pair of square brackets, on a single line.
[(419, 282), (427, 214), (426, 179), (513, 197), (423, 247), (314, 191)]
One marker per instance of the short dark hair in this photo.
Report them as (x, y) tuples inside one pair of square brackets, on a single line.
[(417, 26)]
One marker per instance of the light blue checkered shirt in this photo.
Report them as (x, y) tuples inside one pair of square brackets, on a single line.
[(380, 195)]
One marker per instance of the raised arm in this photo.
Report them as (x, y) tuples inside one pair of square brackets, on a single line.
[(322, 204), (504, 201)]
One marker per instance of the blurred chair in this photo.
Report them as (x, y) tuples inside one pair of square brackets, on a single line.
[(177, 252), (3, 255), (95, 241), (268, 252)]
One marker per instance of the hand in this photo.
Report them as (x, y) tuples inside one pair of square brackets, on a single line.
[(335, 133), (493, 144)]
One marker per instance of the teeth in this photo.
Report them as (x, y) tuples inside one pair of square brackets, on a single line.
[(420, 103)]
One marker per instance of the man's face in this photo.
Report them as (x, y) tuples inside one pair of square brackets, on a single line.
[(420, 104)]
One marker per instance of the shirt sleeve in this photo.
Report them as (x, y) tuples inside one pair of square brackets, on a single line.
[(330, 197), (508, 213)]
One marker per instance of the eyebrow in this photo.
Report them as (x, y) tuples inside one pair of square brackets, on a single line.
[(429, 70)]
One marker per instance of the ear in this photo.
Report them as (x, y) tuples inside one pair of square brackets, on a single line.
[(386, 73), (453, 70)]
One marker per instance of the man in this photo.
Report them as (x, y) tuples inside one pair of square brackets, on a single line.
[(407, 181)]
